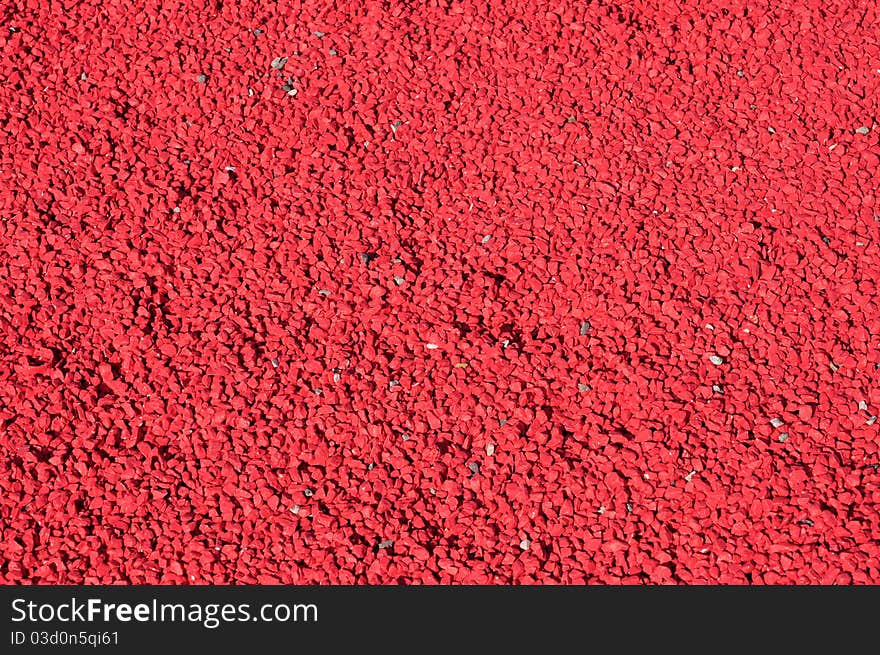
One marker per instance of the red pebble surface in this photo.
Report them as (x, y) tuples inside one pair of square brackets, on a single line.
[(447, 292)]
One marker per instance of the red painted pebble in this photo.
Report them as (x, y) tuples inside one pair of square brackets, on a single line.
[(460, 293)]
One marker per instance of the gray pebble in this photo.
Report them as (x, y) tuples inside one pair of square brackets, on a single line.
[(336, 377), (771, 130), (585, 328), (257, 32), (274, 363), (863, 405), (715, 359), (332, 52), (487, 238), (502, 421), (629, 507), (474, 467), (525, 544), (777, 422), (863, 130), (308, 493), (871, 421), (388, 543), (278, 63), (583, 387), (398, 280), (783, 437), (740, 74), (323, 292), (201, 79), (320, 35), (490, 449), (690, 476), (717, 389)]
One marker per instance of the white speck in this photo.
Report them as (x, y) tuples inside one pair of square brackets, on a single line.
[(709, 326), (832, 146), (431, 346), (601, 510), (274, 363), (525, 544), (871, 421), (294, 509), (715, 359), (487, 238), (490, 449), (336, 377), (734, 168), (398, 280), (229, 169), (863, 130), (278, 63), (777, 422), (690, 476), (783, 437), (863, 405)]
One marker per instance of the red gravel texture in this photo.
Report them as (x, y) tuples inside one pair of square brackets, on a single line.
[(460, 292)]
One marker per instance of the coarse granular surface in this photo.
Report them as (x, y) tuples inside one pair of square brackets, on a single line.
[(458, 292)]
